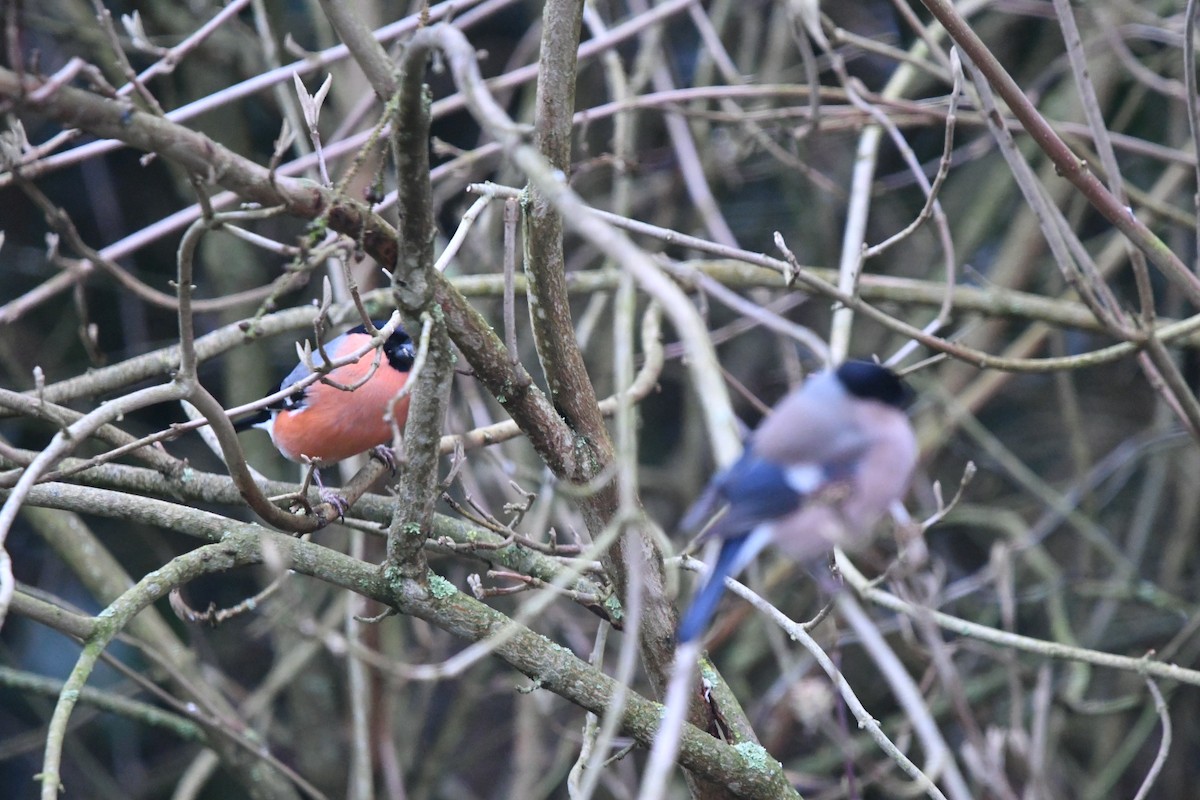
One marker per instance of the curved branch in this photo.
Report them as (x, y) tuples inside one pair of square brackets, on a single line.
[(435, 600)]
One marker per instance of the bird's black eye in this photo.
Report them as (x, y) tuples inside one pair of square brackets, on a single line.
[(870, 381)]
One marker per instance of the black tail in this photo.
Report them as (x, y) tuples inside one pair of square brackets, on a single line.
[(257, 418)]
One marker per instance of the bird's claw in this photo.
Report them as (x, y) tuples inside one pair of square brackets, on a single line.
[(385, 454), (340, 504)]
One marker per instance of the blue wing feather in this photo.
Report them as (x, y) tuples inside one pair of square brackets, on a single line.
[(755, 490)]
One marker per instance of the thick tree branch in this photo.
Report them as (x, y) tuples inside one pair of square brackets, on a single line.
[(747, 771)]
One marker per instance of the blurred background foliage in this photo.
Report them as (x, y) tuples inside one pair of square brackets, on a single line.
[(1064, 459)]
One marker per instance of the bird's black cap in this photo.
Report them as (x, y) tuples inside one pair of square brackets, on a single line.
[(870, 381), (398, 348)]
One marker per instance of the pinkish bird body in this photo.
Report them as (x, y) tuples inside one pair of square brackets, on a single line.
[(818, 473)]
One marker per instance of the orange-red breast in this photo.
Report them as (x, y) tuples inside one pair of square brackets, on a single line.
[(328, 424)]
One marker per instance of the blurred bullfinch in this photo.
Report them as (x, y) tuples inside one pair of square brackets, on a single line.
[(328, 424), (819, 472)]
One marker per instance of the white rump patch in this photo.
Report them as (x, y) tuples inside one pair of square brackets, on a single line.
[(805, 478)]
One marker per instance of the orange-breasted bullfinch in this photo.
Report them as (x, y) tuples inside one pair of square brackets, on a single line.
[(328, 424), (819, 472)]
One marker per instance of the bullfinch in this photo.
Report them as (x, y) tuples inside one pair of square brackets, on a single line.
[(819, 472), (328, 424)]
